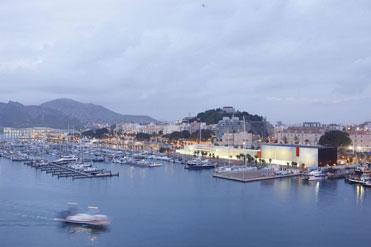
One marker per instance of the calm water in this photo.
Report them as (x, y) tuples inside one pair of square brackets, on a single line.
[(170, 206)]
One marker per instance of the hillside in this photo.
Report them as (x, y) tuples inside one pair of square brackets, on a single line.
[(91, 113), (213, 116), (16, 115), (255, 123)]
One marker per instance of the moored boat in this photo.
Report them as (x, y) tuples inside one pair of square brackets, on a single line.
[(315, 175)]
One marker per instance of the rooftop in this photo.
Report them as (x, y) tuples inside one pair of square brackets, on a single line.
[(293, 145)]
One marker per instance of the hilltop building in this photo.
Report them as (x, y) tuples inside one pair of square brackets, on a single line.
[(229, 109)]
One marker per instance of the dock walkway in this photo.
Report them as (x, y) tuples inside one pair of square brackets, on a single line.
[(250, 176), (63, 171)]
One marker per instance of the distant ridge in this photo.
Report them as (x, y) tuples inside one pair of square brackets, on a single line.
[(16, 115), (91, 113), (62, 114)]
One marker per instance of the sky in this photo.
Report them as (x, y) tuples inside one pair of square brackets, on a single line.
[(292, 61)]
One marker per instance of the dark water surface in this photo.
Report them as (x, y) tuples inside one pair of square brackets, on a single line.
[(170, 206)]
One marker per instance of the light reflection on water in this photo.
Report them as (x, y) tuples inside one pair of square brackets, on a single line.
[(316, 191), (360, 190)]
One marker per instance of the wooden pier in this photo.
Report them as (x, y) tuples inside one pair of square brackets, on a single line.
[(63, 171)]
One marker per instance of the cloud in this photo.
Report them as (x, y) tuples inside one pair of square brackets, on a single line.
[(167, 58)]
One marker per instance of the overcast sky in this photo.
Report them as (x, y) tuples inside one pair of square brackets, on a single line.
[(287, 60)]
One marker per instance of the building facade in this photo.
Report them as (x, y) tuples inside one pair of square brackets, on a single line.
[(217, 151), (229, 125), (299, 135), (241, 139), (151, 128), (170, 128), (28, 131), (361, 140), (308, 156)]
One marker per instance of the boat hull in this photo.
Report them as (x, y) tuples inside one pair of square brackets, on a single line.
[(199, 167)]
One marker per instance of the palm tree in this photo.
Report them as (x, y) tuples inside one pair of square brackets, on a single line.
[(296, 140), (249, 158), (285, 140)]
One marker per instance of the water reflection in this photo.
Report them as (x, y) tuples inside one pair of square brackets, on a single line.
[(316, 191), (360, 193), (92, 232)]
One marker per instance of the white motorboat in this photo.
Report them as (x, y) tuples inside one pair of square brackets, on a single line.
[(91, 218), (87, 219), (65, 160), (316, 175), (155, 164)]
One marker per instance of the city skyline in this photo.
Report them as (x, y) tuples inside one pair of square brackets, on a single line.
[(289, 61)]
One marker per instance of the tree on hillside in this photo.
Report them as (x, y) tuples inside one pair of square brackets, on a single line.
[(98, 133), (335, 138), (205, 135), (176, 135), (142, 136)]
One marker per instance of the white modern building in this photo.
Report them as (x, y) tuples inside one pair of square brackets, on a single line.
[(217, 151), (310, 156)]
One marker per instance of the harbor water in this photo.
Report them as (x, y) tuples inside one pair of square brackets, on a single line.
[(171, 206)]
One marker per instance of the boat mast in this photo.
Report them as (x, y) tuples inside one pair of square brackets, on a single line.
[(244, 137), (229, 157), (200, 133)]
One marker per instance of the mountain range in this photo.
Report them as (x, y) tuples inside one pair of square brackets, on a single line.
[(61, 114)]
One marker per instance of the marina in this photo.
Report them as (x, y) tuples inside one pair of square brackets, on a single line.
[(140, 196), (139, 187), (78, 161)]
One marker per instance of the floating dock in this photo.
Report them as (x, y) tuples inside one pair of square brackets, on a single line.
[(250, 176), (63, 171)]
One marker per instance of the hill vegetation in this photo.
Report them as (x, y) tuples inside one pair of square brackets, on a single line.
[(97, 134), (213, 116)]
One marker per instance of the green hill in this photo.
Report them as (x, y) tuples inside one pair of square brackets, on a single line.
[(213, 116)]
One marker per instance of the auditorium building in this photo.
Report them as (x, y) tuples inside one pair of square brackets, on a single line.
[(310, 156)]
